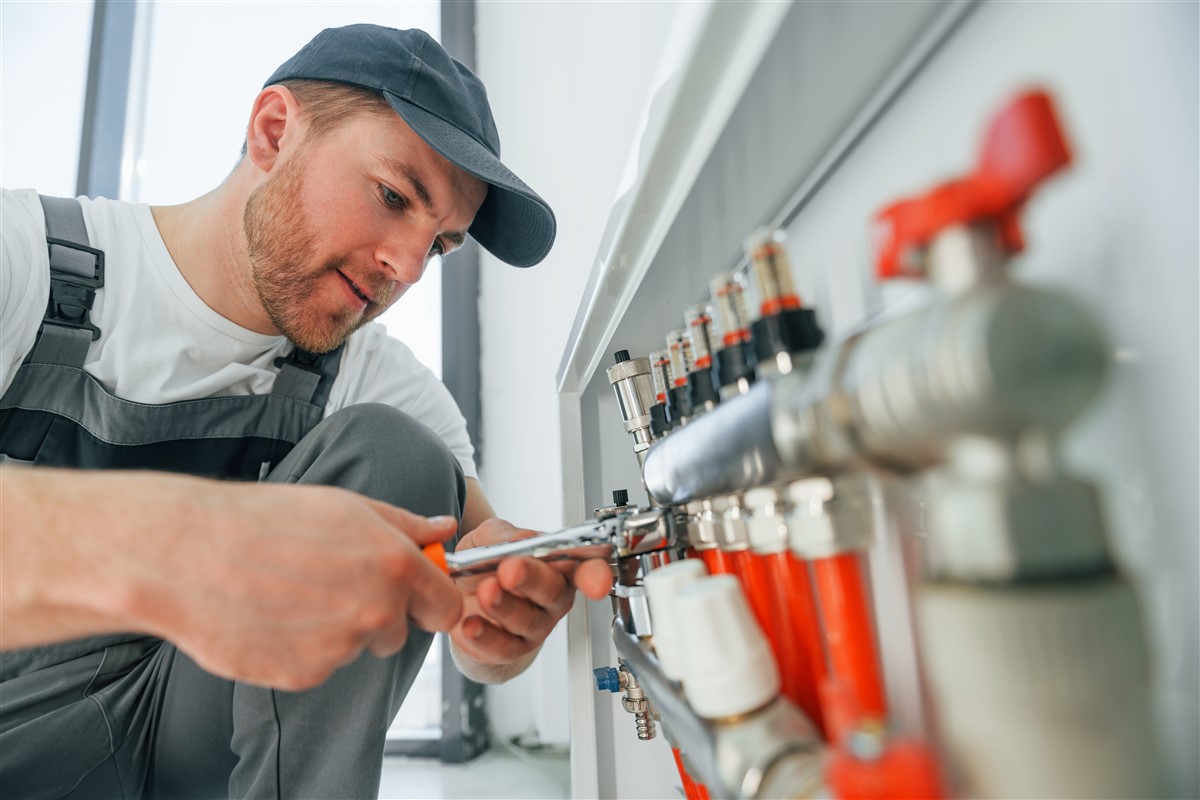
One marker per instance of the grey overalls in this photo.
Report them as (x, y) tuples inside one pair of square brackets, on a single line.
[(129, 715)]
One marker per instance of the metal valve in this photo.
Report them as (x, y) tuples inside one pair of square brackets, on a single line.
[(786, 333), (630, 379), (617, 679)]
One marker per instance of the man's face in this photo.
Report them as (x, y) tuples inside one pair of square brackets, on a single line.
[(345, 224)]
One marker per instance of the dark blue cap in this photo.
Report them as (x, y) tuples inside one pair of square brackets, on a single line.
[(446, 105)]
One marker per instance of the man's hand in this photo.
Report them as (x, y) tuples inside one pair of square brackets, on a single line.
[(276, 585), (508, 615)]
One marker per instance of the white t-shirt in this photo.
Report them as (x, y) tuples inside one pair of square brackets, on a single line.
[(160, 343)]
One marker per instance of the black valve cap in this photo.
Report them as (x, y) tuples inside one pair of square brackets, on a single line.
[(701, 388), (621, 356), (620, 497), (792, 331), (658, 420)]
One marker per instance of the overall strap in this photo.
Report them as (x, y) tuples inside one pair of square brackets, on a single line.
[(76, 272), (307, 376)]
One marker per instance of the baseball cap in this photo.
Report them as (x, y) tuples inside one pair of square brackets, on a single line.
[(446, 105)]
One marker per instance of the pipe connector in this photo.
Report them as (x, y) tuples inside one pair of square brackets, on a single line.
[(622, 679), (630, 379), (829, 516)]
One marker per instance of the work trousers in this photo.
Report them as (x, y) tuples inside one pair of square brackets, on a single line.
[(134, 717)]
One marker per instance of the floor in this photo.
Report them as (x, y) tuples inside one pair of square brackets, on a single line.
[(495, 774)]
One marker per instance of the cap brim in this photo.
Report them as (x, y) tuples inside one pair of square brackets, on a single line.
[(513, 224)]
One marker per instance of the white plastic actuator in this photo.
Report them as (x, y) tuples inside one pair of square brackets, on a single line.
[(728, 666), (1051, 677), (662, 589)]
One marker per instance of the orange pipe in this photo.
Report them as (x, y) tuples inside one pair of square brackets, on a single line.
[(797, 632), (906, 770), (756, 584), (849, 632), (714, 559), (689, 786)]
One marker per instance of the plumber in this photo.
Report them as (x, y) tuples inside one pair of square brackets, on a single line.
[(217, 477)]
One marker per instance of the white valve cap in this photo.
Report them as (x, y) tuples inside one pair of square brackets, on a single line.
[(728, 666), (662, 588), (766, 523)]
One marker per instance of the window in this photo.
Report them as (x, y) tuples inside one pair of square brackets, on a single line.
[(43, 70)]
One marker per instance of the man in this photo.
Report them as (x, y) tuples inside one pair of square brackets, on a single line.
[(158, 626)]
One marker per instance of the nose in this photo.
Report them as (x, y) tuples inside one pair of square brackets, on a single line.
[(405, 254)]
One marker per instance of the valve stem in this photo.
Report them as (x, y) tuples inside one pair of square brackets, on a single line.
[(701, 385), (772, 272), (679, 400), (735, 362), (785, 330), (660, 362)]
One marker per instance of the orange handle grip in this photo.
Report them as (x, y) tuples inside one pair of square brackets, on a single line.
[(436, 553)]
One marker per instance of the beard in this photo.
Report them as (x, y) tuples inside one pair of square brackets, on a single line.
[(280, 245)]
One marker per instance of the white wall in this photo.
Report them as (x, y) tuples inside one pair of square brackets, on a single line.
[(567, 83), (1119, 231)]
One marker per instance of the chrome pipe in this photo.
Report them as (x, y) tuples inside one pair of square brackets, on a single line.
[(995, 362), (621, 536)]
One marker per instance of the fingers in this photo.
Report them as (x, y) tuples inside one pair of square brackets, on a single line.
[(422, 530), (494, 531), (517, 615), (435, 603), (594, 578), (390, 642), (537, 582), (493, 643)]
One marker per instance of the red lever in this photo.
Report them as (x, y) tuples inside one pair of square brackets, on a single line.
[(1023, 146)]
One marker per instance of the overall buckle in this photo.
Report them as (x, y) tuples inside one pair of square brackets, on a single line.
[(72, 296)]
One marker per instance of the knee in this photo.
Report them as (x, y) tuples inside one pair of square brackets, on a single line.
[(395, 458)]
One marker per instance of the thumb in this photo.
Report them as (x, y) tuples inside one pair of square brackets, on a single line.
[(421, 530)]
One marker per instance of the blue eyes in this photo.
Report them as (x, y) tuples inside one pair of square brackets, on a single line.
[(394, 200)]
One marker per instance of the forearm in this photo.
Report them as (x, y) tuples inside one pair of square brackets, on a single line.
[(54, 584)]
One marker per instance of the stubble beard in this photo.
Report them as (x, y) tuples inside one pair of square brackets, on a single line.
[(279, 245)]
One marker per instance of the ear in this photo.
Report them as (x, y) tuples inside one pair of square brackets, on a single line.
[(274, 126)]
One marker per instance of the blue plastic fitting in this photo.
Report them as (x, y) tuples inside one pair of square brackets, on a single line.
[(607, 679)]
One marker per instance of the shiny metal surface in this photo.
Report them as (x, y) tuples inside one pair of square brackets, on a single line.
[(593, 540), (623, 535), (635, 394), (727, 450), (993, 362), (646, 532)]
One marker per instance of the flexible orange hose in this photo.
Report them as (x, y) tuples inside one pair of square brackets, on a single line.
[(849, 632), (796, 631), (716, 562), (749, 569), (689, 786)]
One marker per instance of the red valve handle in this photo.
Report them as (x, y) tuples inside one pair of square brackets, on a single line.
[(1023, 146)]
